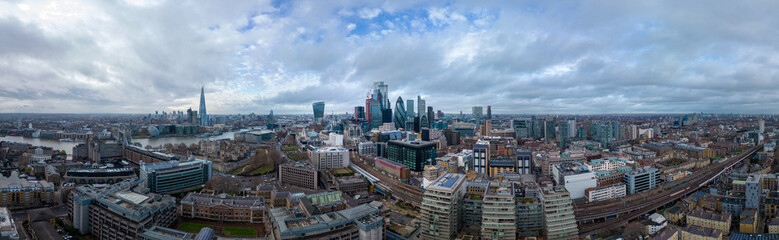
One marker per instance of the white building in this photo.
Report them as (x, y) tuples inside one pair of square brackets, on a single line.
[(335, 140), (575, 177), (607, 164), (329, 158), (655, 223), (607, 192)]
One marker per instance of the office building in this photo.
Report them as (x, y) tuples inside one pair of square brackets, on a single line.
[(319, 110), (641, 179), (363, 222), (400, 117), (98, 175), (203, 115), (410, 109), (481, 156), (606, 192), (175, 175), (298, 174), (392, 168), (498, 213), (23, 193), (477, 115), (563, 142), (522, 127), (414, 154), (550, 132), (559, 220), (120, 211), (328, 158), (373, 109), (489, 112), (224, 208), (430, 117), (575, 177), (440, 210), (359, 112), (525, 163), (421, 108)]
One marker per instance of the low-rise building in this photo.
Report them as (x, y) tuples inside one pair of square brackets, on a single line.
[(655, 223), (391, 167), (706, 219), (362, 222), (607, 192), (641, 179), (575, 177), (224, 208), (121, 211), (701, 233), (175, 175), (773, 226), (19, 192), (298, 174), (7, 225), (749, 221), (98, 175), (328, 158)]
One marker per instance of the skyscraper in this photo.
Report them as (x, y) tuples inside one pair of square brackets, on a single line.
[(373, 111), (522, 127), (430, 117), (400, 114), (420, 110), (477, 115), (410, 108), (489, 112), (319, 110), (381, 91), (203, 115), (550, 132), (359, 112), (572, 127)]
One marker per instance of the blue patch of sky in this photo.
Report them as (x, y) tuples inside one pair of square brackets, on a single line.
[(249, 23)]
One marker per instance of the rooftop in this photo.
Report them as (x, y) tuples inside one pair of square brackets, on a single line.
[(447, 181)]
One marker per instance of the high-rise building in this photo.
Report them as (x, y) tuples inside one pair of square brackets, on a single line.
[(381, 92), (203, 115), (440, 210), (373, 111), (564, 131), (498, 213), (421, 110), (481, 156), (761, 125), (477, 115), (489, 112), (559, 219), (633, 132), (359, 112), (753, 191), (572, 127), (400, 114), (549, 129), (319, 110), (415, 154), (616, 130), (410, 109), (430, 117), (525, 163)]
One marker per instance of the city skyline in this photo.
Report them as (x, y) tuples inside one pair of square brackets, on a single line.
[(604, 57)]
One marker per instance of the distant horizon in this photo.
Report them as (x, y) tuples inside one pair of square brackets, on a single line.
[(445, 113)]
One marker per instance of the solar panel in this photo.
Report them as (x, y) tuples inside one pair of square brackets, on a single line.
[(449, 182)]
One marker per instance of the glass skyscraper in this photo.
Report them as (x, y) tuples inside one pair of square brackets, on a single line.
[(203, 115), (399, 118), (319, 110)]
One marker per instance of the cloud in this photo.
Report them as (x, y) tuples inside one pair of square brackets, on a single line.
[(519, 57)]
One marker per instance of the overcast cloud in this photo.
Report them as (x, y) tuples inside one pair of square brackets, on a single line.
[(138, 56)]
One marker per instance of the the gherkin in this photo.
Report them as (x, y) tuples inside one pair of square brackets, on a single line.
[(399, 118)]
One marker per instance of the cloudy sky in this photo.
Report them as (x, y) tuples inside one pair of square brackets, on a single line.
[(139, 56)]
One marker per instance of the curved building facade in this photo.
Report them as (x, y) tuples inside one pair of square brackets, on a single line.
[(399, 118), (319, 110)]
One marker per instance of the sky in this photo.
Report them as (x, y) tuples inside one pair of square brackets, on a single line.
[(566, 57)]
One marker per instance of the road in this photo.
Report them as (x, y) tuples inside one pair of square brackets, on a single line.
[(651, 202)]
